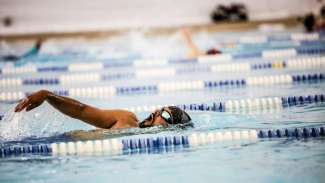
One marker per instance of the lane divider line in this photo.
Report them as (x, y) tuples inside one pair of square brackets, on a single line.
[(102, 92), (72, 79), (76, 67), (129, 145), (262, 103)]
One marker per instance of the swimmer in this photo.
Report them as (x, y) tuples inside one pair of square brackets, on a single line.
[(33, 51), (194, 50), (105, 119)]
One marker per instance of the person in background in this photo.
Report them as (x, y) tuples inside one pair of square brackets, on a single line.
[(194, 50), (313, 23), (33, 51), (309, 22)]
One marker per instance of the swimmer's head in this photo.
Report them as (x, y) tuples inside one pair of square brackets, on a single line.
[(167, 116)]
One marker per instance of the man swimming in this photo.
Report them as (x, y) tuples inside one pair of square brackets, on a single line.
[(33, 51), (106, 119), (194, 50)]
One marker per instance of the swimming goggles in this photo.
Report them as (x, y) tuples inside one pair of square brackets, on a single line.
[(166, 116)]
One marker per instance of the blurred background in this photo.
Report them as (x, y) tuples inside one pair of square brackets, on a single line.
[(45, 16), (233, 65)]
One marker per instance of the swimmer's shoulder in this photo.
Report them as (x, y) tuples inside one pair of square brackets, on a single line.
[(124, 118), (121, 113)]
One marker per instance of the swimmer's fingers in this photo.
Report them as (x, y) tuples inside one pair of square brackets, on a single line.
[(21, 105)]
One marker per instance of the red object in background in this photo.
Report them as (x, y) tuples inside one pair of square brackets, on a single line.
[(213, 51)]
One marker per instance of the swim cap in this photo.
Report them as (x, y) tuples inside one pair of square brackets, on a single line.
[(213, 51), (179, 116)]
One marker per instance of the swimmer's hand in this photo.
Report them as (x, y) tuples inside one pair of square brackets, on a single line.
[(32, 101)]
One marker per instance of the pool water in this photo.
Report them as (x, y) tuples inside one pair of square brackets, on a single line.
[(266, 160)]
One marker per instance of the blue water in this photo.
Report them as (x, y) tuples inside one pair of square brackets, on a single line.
[(277, 160)]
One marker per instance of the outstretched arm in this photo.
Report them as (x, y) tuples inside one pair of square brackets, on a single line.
[(33, 51), (194, 50), (73, 108)]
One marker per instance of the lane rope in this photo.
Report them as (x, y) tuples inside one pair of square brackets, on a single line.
[(126, 145), (108, 91)]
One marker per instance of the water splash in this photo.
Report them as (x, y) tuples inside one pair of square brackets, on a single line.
[(41, 122), (12, 127)]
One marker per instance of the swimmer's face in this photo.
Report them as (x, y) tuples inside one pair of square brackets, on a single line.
[(159, 117)]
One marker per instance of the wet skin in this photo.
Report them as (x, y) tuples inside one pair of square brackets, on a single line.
[(100, 118)]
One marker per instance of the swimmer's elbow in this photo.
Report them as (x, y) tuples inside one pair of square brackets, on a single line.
[(81, 113)]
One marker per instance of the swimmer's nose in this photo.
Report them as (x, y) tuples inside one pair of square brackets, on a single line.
[(149, 119)]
